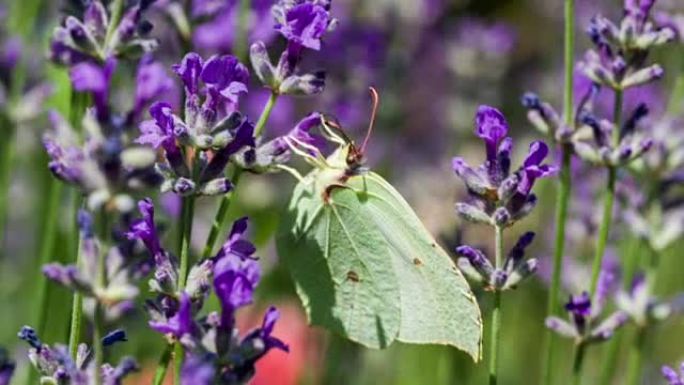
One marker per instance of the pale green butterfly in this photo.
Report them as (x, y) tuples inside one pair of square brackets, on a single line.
[(364, 265)]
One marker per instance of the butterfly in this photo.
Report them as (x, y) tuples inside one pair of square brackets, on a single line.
[(364, 265)]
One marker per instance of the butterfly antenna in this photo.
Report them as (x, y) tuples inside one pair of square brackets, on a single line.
[(375, 98)]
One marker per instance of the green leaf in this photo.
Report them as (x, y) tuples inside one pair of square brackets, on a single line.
[(365, 266)]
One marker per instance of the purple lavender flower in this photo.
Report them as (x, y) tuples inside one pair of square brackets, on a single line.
[(235, 279), (181, 324), (86, 39), (475, 264), (671, 375), (271, 155), (497, 196), (6, 367), (90, 77), (584, 326), (643, 308), (198, 370), (56, 365), (122, 275), (165, 279), (303, 23), (618, 61), (211, 126)]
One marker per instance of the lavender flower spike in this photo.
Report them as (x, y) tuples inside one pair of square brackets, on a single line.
[(583, 326)]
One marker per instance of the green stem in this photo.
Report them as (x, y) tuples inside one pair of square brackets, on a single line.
[(612, 354), (562, 203), (76, 312), (98, 325), (265, 114), (101, 281), (186, 240), (163, 365), (636, 357), (186, 225), (6, 165), (609, 198), (496, 314), (577, 364), (116, 13), (46, 249), (569, 59), (220, 217), (604, 229), (222, 213), (241, 41)]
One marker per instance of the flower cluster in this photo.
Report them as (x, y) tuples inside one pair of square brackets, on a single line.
[(56, 366), (640, 305), (619, 59), (598, 141), (476, 265), (303, 24), (584, 326), (499, 197), (105, 165), (100, 35), (199, 146), (123, 269), (215, 352)]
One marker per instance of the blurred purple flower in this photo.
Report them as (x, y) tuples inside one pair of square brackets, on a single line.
[(6, 367), (95, 79), (672, 376), (235, 279), (217, 34), (197, 370), (583, 326)]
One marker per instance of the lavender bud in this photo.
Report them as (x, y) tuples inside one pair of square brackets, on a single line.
[(218, 186), (138, 158), (199, 280), (502, 217), (118, 335), (508, 188), (561, 327), (303, 85), (472, 213), (478, 261), (643, 76), (521, 272), (261, 64), (468, 270), (203, 142), (183, 186), (607, 328), (29, 335)]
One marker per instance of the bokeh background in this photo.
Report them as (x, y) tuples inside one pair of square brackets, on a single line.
[(433, 62)]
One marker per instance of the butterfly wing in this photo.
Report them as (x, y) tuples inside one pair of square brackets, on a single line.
[(437, 306), (341, 266)]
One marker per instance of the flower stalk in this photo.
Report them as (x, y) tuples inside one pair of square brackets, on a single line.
[(563, 191), (496, 313), (222, 213), (609, 199)]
